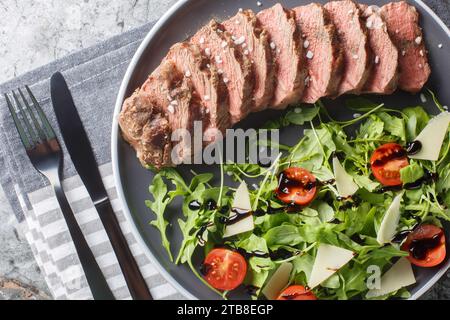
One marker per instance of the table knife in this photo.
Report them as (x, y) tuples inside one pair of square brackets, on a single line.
[(80, 151)]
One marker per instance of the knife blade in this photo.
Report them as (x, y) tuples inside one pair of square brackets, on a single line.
[(80, 151)]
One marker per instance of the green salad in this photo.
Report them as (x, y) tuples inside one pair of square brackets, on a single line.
[(344, 213)]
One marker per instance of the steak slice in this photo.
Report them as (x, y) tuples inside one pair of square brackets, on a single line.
[(145, 127), (188, 59), (287, 45), (245, 26), (383, 78), (319, 38), (352, 35), (234, 68), (175, 94), (402, 22)]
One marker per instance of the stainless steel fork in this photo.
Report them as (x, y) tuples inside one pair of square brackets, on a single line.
[(45, 154)]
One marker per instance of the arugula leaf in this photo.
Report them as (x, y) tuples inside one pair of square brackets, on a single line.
[(416, 120), (411, 173), (158, 189), (393, 125)]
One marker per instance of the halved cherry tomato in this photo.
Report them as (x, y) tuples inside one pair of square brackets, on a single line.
[(224, 269), (426, 246), (386, 162), (296, 186), (296, 292)]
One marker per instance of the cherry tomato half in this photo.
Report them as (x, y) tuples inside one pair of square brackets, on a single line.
[(386, 162), (224, 269), (426, 246), (296, 292), (296, 186)]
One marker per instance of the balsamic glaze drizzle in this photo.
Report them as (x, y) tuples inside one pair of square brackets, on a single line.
[(413, 147), (420, 247)]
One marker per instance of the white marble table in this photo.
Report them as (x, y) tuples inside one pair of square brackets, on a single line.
[(33, 33)]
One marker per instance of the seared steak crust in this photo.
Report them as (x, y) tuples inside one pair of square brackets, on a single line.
[(205, 80), (287, 47), (146, 128), (319, 38), (245, 27), (234, 68), (175, 95), (384, 75), (402, 22), (352, 35)]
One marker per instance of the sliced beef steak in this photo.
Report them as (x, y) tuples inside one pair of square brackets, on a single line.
[(287, 47), (235, 69), (146, 128), (244, 27), (205, 80), (322, 51), (175, 94), (402, 22), (383, 77), (352, 35)]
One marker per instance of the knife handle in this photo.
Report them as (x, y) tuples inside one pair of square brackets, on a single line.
[(94, 276), (133, 276)]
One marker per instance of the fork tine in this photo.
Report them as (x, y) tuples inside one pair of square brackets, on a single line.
[(18, 125), (22, 112), (47, 127), (37, 125)]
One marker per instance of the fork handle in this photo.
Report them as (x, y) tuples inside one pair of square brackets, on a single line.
[(95, 278)]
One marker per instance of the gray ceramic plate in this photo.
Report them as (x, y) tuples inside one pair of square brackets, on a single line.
[(132, 180)]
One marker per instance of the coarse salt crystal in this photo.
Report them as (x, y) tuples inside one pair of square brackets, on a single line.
[(421, 53), (218, 59), (219, 71), (440, 45), (187, 73), (355, 56), (420, 65), (377, 59), (403, 52), (369, 24), (258, 3), (307, 80), (208, 51), (174, 102), (423, 98), (255, 186), (237, 21), (309, 54), (224, 44), (350, 12), (206, 97), (239, 41), (246, 52), (244, 45), (356, 115), (202, 40), (418, 40), (445, 107), (225, 80), (278, 50), (306, 44), (240, 9), (273, 45), (397, 31), (171, 109)]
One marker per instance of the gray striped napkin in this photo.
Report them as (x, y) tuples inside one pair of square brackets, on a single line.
[(94, 77)]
